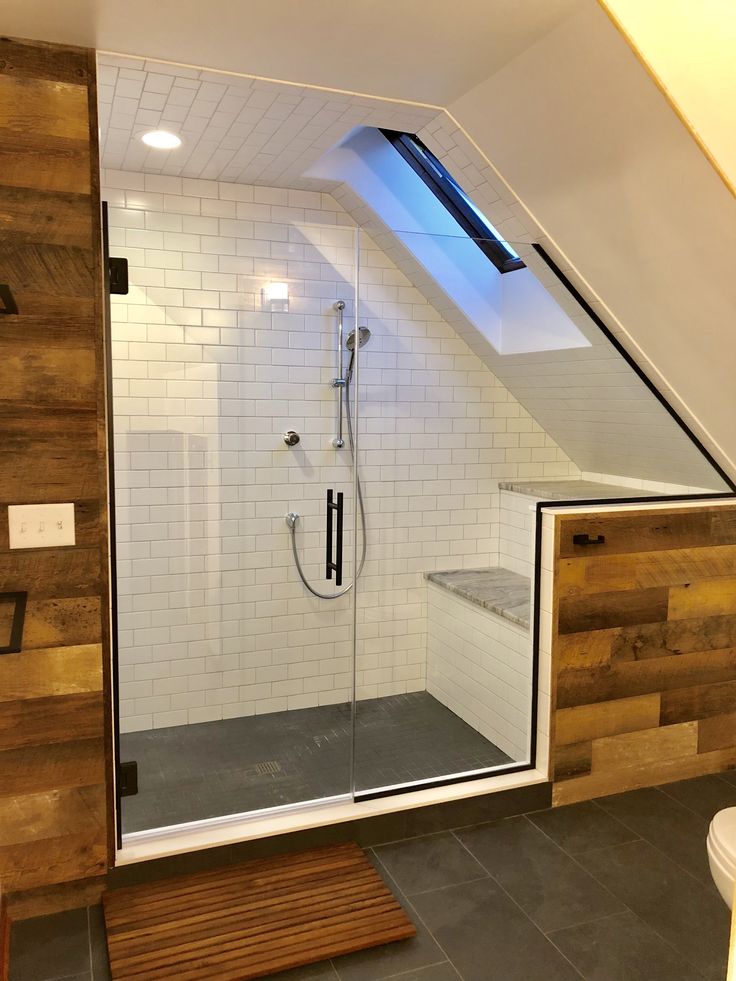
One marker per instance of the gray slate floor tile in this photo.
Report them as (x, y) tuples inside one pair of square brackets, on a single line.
[(420, 864), (704, 795), (580, 827), (622, 948), (488, 938), (666, 824), (690, 917), (98, 944), (379, 963), (547, 883), (322, 971), (49, 947), (437, 972)]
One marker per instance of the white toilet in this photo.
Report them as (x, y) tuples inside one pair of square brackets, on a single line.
[(722, 852)]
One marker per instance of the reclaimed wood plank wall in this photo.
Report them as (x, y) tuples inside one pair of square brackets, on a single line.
[(643, 649), (54, 782)]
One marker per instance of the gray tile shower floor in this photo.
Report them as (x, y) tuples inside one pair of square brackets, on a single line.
[(187, 773), (616, 889)]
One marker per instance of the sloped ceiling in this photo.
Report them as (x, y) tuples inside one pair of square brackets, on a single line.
[(423, 50)]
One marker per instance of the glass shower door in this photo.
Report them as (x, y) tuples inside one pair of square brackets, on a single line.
[(236, 681)]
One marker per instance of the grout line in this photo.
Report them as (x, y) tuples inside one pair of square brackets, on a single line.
[(417, 915), (521, 909), (89, 947), (413, 970), (653, 844), (678, 953)]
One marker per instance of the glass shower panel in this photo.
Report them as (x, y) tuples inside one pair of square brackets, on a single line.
[(236, 682), (482, 394)]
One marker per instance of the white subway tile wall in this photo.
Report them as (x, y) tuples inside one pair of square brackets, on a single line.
[(214, 621), (479, 666), (517, 518)]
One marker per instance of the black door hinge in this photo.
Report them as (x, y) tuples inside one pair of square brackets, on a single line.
[(128, 779), (118, 275)]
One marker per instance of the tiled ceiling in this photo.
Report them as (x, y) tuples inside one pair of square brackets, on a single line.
[(233, 128)]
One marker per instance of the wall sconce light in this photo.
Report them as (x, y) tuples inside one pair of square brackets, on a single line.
[(275, 297)]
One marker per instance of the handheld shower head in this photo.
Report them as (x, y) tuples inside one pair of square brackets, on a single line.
[(364, 335)]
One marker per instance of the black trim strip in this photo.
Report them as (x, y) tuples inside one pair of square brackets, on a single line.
[(575, 293), (9, 306), (441, 782), (112, 536), (15, 641)]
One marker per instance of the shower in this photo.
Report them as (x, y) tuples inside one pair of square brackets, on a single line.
[(342, 384)]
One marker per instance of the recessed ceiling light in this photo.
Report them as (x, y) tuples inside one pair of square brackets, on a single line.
[(161, 140)]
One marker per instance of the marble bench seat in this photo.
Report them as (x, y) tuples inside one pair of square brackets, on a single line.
[(503, 592)]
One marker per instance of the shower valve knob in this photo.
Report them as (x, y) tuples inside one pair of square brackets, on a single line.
[(291, 438)]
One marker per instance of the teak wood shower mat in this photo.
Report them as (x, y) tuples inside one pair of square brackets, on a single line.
[(251, 920)]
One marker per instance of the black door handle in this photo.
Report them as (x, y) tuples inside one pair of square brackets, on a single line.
[(587, 540), (336, 566)]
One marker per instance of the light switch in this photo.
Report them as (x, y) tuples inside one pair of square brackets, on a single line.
[(41, 525)]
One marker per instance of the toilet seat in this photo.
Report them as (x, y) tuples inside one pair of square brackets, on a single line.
[(722, 852)]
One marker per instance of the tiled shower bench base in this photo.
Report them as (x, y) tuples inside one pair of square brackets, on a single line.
[(479, 651)]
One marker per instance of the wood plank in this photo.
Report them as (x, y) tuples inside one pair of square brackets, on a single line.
[(49, 672), (52, 374), (70, 475), (648, 775), (588, 722), (4, 934), (644, 570), (48, 108), (53, 861), (713, 597), (49, 623), (49, 279), (30, 216), (647, 746), (572, 759), (253, 919), (49, 573), (698, 702), (60, 766), (602, 611), (38, 59), (628, 678), (46, 899), (585, 649), (717, 732), (674, 637), (45, 721), (36, 818), (649, 531)]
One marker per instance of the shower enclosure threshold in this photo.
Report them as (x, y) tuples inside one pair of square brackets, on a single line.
[(145, 846)]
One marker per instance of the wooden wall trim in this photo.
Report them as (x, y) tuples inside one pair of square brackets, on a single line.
[(643, 649), (55, 782)]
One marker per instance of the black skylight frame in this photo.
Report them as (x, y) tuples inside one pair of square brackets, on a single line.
[(452, 197)]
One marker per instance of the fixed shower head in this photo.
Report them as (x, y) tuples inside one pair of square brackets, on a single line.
[(364, 335)]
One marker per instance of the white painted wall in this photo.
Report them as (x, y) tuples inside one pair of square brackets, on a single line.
[(592, 148), (691, 48), (214, 622)]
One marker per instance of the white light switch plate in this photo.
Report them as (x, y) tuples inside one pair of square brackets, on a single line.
[(41, 525)]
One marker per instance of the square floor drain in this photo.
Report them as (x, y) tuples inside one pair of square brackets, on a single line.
[(262, 769)]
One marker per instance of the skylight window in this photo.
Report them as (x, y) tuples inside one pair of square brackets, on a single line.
[(449, 193)]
